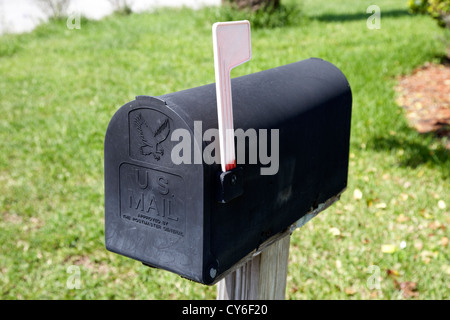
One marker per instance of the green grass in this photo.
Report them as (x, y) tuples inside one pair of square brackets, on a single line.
[(60, 87)]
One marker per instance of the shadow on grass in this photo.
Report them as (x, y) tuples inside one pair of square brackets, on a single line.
[(444, 59), (414, 149), (344, 17)]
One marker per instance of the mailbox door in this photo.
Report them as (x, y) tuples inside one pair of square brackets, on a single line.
[(153, 207)]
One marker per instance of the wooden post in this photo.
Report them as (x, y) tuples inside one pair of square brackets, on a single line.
[(261, 278)]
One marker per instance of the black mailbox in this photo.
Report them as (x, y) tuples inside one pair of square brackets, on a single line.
[(188, 217)]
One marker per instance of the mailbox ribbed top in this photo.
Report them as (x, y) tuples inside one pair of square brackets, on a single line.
[(266, 98)]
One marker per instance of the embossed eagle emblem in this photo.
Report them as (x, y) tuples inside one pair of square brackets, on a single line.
[(151, 140)]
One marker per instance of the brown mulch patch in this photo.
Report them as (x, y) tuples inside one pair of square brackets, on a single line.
[(425, 96)]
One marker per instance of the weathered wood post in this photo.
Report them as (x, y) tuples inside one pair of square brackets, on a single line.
[(263, 275)]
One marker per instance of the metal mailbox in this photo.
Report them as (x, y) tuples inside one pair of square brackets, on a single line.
[(190, 218)]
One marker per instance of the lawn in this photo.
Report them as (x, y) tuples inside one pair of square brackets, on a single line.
[(387, 238)]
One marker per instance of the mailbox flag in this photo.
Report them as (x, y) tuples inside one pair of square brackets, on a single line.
[(232, 47)]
